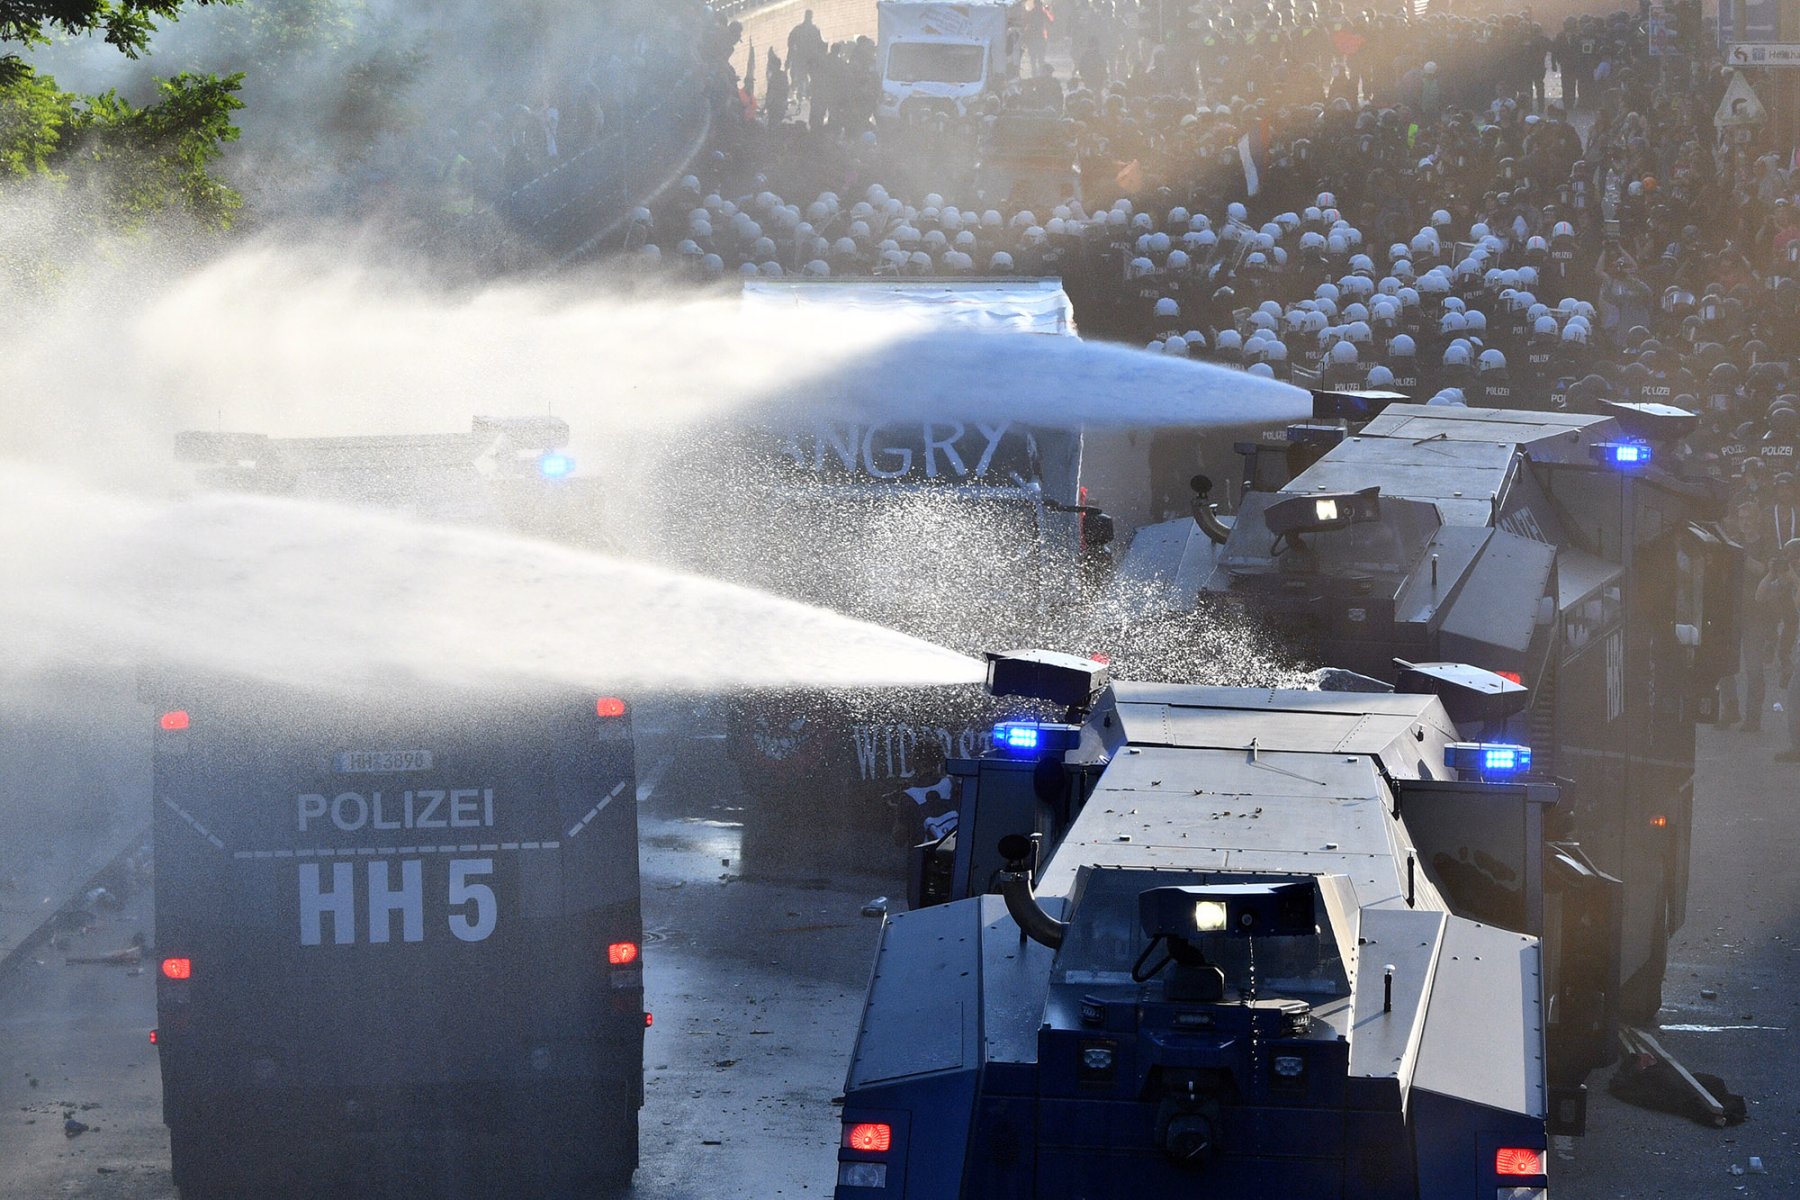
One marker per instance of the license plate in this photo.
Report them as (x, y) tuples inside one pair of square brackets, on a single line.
[(379, 762)]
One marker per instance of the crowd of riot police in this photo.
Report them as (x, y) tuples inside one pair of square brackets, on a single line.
[(1338, 215)]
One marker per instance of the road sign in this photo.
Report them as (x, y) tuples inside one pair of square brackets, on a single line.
[(1763, 54), (1739, 105)]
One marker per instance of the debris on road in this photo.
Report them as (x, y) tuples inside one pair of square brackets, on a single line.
[(1650, 1077), (73, 1128), (876, 907), (130, 956)]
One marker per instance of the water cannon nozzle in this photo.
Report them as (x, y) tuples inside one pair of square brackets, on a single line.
[(1064, 679)]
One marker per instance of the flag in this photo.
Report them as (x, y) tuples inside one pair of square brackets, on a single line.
[(1347, 43), (1130, 177), (1252, 182)]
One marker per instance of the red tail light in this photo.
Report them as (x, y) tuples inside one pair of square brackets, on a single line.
[(174, 719), (871, 1137), (1514, 1161), (609, 706), (1511, 676), (621, 953), (649, 1020), (153, 1037), (1660, 822), (178, 968)]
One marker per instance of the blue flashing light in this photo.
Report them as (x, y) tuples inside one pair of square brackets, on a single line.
[(1011, 735), (555, 466), (1029, 739), (1623, 454), (1488, 760), (1505, 759)]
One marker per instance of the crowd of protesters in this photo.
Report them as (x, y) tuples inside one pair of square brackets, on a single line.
[(1390, 201)]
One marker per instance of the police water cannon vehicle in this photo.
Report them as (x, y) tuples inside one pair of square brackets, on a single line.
[(1186, 942), (399, 929), (514, 472), (1551, 548)]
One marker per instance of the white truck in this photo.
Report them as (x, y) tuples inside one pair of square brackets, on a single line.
[(943, 54)]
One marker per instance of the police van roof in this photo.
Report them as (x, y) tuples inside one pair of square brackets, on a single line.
[(1460, 459)]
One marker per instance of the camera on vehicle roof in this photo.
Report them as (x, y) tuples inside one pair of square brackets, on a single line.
[(1238, 909), (1314, 514)]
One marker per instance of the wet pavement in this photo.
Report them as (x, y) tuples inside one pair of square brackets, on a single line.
[(1731, 998), (73, 794), (756, 989), (75, 1044)]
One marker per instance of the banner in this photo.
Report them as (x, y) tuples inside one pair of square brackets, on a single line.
[(1660, 30), (1252, 183)]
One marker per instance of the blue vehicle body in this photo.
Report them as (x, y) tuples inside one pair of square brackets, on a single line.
[(1390, 1048)]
